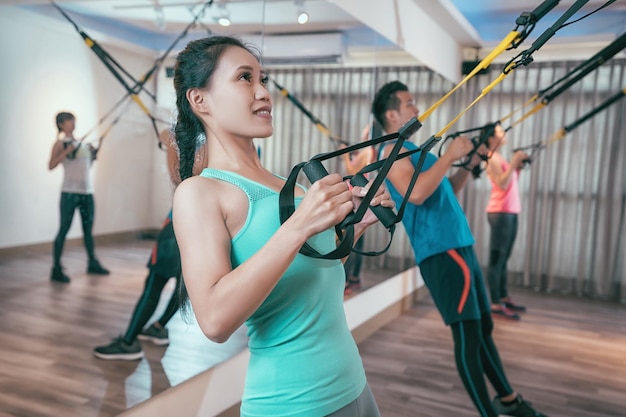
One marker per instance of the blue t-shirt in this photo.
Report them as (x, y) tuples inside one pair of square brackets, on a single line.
[(303, 359), (439, 223)]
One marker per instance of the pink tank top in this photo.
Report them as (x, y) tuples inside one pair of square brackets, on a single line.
[(505, 201)]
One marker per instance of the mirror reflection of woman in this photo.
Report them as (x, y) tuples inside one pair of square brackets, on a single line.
[(76, 193), (241, 265)]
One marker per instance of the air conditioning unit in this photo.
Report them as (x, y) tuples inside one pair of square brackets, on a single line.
[(299, 48)]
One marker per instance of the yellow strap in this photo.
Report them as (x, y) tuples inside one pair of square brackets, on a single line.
[(323, 129), (528, 103), (504, 45), (137, 100), (486, 90), (530, 113), (558, 135)]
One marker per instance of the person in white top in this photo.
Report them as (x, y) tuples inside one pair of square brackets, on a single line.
[(76, 193)]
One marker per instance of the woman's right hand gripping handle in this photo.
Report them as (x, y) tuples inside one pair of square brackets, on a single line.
[(326, 203)]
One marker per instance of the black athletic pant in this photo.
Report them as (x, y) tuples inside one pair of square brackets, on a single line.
[(69, 203), (147, 304), (476, 355), (164, 263), (502, 237)]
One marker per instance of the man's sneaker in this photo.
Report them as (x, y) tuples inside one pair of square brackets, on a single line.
[(57, 275), (517, 408), (156, 335), (504, 313), (95, 268), (508, 303), (119, 350)]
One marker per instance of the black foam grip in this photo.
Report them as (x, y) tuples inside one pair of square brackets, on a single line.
[(386, 215), (314, 170)]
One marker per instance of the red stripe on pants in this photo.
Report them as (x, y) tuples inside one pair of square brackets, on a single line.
[(466, 277)]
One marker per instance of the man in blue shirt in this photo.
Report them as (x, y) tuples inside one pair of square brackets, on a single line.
[(443, 244)]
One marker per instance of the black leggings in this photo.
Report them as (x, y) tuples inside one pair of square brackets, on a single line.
[(476, 355), (147, 304), (502, 237), (69, 203), (164, 263)]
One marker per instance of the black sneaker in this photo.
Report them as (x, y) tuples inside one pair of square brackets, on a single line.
[(119, 350), (504, 313), (95, 268), (57, 275), (517, 408), (508, 303), (156, 335)]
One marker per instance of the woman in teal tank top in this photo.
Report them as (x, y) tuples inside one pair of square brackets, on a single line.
[(241, 265)]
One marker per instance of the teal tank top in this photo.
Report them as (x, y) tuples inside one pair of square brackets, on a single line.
[(439, 223), (303, 359)]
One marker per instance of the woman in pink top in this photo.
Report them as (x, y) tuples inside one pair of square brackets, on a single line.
[(502, 213)]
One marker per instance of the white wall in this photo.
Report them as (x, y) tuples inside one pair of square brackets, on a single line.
[(48, 68)]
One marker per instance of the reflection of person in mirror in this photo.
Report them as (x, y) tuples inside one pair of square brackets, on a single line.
[(163, 264), (241, 265), (353, 163), (76, 193), (443, 245)]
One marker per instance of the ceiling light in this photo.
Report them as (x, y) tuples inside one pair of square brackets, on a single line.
[(224, 18), (303, 16), (159, 17)]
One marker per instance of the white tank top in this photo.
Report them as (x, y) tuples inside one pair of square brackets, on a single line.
[(77, 179)]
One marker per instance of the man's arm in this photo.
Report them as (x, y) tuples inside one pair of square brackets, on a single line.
[(402, 171), (458, 179)]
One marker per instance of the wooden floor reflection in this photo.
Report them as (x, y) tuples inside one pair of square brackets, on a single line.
[(48, 331)]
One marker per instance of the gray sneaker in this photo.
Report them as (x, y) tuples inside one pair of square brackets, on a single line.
[(156, 335), (119, 350), (518, 408)]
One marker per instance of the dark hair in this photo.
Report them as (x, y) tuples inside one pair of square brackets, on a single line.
[(62, 117), (488, 131), (386, 99), (194, 68)]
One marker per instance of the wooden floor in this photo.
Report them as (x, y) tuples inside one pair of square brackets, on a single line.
[(567, 355)]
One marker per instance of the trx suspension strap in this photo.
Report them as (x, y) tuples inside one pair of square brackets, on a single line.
[(546, 95), (314, 169), (111, 65), (139, 85), (486, 132), (317, 122), (523, 58), (560, 134), (549, 93), (525, 23)]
